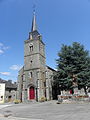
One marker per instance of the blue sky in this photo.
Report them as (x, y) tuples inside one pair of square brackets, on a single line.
[(59, 22)]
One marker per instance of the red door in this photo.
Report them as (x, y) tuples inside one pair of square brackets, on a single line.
[(31, 93)]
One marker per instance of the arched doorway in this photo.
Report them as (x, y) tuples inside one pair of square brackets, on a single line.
[(31, 93)]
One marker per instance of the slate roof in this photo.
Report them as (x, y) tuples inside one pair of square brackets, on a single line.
[(9, 84), (51, 68)]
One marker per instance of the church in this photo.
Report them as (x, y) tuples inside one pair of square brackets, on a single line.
[(35, 78)]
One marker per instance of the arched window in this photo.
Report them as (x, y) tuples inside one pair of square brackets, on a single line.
[(30, 74), (31, 48)]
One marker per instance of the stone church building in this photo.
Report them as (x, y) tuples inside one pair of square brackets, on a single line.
[(35, 77)]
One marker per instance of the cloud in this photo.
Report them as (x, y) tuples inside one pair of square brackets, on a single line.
[(5, 73), (16, 67), (3, 48), (1, 44), (1, 51)]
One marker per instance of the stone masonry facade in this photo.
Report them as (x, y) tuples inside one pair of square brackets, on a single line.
[(35, 78)]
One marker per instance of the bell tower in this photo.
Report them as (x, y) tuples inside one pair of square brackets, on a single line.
[(34, 65)]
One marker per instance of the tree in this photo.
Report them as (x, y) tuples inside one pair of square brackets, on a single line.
[(73, 67)]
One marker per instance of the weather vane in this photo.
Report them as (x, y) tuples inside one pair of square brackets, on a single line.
[(34, 7)]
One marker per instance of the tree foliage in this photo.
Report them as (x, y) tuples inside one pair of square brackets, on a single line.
[(73, 67)]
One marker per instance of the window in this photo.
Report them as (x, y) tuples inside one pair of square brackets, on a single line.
[(30, 75), (31, 48), (10, 97), (2, 97), (31, 61), (9, 91)]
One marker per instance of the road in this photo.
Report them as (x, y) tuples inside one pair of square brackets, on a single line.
[(49, 111)]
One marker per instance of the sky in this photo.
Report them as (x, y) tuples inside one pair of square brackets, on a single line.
[(59, 22)]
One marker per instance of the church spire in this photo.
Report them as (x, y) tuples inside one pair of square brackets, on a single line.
[(34, 34), (34, 25)]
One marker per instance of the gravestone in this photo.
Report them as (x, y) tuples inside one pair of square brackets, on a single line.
[(82, 92), (76, 90)]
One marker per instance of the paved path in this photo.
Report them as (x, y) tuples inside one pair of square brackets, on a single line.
[(49, 111), (13, 118), (6, 115), (3, 106), (16, 118)]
